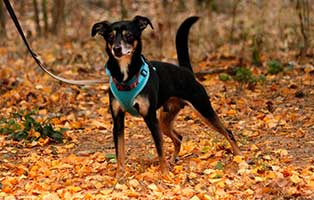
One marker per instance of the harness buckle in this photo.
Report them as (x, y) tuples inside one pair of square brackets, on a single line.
[(144, 72)]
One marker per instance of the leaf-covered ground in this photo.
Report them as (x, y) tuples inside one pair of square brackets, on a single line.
[(273, 123)]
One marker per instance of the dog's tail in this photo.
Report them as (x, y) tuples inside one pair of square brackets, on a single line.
[(182, 42)]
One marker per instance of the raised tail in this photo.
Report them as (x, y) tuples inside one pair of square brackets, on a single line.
[(182, 42)]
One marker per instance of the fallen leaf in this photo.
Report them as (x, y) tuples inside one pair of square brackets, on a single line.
[(153, 187), (295, 178), (238, 159)]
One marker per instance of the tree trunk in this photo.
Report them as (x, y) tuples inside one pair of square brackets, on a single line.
[(303, 9), (234, 15), (37, 21), (123, 10), (58, 16), (3, 32), (45, 15)]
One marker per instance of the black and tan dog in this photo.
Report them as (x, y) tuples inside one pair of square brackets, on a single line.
[(141, 87)]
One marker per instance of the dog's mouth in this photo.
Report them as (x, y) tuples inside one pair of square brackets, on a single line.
[(117, 54)]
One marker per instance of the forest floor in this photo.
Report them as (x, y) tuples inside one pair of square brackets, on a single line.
[(272, 122)]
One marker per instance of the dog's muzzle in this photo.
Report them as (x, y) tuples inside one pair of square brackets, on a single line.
[(117, 50)]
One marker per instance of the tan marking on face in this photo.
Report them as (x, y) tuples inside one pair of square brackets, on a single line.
[(127, 52), (143, 103), (127, 48), (115, 107), (134, 45)]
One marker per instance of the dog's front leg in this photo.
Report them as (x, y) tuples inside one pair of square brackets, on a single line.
[(118, 135), (153, 125)]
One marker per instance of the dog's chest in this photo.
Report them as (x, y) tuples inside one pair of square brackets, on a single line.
[(124, 66), (128, 94)]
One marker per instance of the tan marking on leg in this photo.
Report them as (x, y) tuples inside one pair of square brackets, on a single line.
[(143, 104), (116, 107), (166, 120), (121, 156), (163, 165)]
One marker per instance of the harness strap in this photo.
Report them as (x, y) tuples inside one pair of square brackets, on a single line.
[(126, 93), (127, 87)]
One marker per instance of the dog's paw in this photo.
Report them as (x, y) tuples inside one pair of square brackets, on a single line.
[(164, 169)]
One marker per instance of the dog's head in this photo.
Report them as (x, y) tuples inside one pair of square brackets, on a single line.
[(122, 37)]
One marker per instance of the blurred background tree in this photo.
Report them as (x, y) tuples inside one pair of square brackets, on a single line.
[(303, 10), (247, 30), (2, 21), (58, 16)]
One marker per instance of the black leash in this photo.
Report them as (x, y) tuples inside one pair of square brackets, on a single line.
[(37, 58)]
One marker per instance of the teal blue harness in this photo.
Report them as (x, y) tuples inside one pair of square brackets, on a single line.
[(125, 93)]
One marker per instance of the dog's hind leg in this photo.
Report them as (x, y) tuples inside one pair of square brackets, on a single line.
[(166, 119), (199, 100)]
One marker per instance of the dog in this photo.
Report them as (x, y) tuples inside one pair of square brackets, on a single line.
[(141, 87)]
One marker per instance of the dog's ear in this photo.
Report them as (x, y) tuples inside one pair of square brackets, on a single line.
[(142, 22), (100, 28)]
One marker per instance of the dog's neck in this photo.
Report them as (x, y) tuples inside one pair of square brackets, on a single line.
[(125, 68)]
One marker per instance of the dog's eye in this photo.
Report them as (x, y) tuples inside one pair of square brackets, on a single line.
[(110, 37), (129, 37)]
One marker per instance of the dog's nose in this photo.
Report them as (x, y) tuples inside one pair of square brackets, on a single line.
[(117, 49)]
